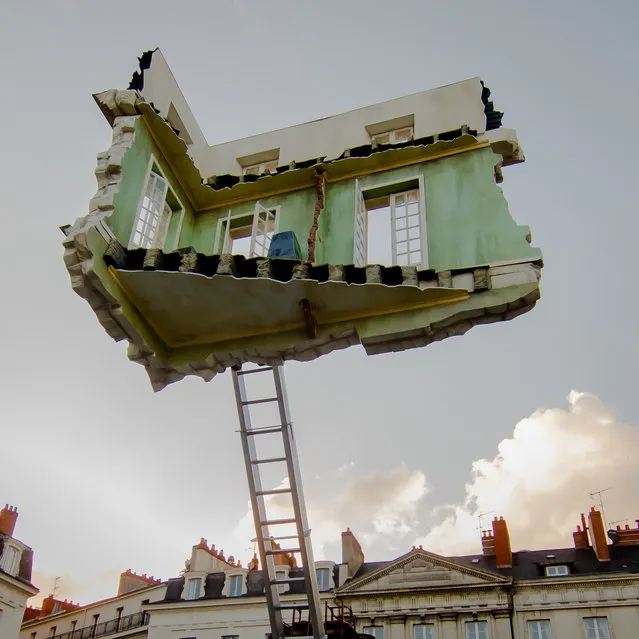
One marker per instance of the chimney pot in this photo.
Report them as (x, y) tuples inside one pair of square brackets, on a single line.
[(8, 518)]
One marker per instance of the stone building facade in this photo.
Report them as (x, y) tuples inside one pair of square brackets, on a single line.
[(587, 591)]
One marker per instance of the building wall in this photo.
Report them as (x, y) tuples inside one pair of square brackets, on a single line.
[(12, 604), (136, 164), (435, 111), (107, 610)]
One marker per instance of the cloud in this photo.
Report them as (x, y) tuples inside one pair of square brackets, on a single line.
[(379, 507), (541, 479)]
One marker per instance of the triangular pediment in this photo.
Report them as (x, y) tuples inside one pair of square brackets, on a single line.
[(420, 569)]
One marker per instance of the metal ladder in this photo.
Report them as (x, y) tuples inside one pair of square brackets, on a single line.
[(286, 461)]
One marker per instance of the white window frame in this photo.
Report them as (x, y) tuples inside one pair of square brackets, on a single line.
[(360, 239), (472, 629), (10, 564), (259, 233), (260, 168), (559, 570), (164, 221), (234, 579), (593, 630), (538, 629), (424, 631), (376, 631), (395, 136), (196, 592)]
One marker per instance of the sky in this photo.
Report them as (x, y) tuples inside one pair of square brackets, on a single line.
[(525, 419)]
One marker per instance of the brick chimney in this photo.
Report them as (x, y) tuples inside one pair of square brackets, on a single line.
[(8, 518), (598, 535), (503, 553), (580, 537), (487, 543), (352, 554), (130, 581), (625, 536)]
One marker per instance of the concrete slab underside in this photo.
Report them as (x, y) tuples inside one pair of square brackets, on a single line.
[(183, 308), (187, 309)]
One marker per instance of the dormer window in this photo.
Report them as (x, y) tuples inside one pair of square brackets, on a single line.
[(324, 575), (323, 578), (193, 588), (560, 570), (236, 585), (10, 559), (260, 163), (393, 131), (394, 137), (261, 168)]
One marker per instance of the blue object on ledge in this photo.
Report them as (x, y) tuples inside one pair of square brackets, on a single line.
[(284, 245)]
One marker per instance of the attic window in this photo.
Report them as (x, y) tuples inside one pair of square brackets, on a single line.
[(260, 163), (393, 131), (194, 586), (323, 579), (235, 585), (9, 559), (394, 137), (560, 570)]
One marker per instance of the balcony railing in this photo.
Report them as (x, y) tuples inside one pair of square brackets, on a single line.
[(107, 627)]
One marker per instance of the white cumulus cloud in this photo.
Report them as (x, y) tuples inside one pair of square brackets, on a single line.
[(541, 479)]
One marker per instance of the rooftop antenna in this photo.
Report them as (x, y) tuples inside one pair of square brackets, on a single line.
[(479, 517), (601, 503), (55, 586)]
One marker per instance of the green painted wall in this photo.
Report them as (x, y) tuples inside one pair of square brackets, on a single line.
[(467, 217), (468, 221), (135, 165)]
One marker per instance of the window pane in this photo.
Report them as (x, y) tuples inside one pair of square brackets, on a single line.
[(193, 590), (425, 631)]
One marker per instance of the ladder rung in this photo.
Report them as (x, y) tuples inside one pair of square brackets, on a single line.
[(248, 402), (286, 580), (277, 522), (274, 491), (264, 431), (292, 607), (282, 551), (268, 460), (255, 370), (284, 537)]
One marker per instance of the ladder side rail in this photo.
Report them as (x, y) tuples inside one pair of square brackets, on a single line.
[(258, 508), (299, 507)]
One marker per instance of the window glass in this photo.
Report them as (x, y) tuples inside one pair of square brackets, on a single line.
[(376, 631), (8, 560), (597, 628), (193, 588), (424, 631), (539, 629), (557, 571), (476, 630), (323, 578), (235, 585)]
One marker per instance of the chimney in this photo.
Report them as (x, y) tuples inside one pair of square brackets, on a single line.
[(352, 554), (487, 543), (580, 537), (625, 536), (8, 518), (130, 581), (503, 553), (598, 535)]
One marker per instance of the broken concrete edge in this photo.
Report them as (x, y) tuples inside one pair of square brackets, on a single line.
[(117, 103)]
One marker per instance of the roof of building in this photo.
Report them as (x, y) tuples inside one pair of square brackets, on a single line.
[(527, 565)]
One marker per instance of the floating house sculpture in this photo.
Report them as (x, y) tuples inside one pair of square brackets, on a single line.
[(384, 226)]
